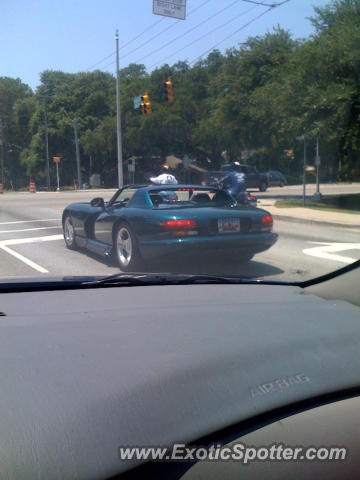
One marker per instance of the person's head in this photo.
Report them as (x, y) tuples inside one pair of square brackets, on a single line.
[(236, 166), (164, 169)]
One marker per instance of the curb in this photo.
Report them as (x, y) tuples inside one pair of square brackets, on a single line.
[(315, 222)]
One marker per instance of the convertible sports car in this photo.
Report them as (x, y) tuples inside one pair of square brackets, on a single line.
[(143, 222)]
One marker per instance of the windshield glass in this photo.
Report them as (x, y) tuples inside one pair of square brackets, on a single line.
[(190, 197), (202, 137)]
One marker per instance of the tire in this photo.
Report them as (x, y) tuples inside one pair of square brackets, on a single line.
[(125, 249), (263, 187), (69, 233)]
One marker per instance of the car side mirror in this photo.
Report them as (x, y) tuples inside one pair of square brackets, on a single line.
[(98, 202)]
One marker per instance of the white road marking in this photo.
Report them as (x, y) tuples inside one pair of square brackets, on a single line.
[(30, 221), (327, 251), (28, 229), (20, 241), (28, 262)]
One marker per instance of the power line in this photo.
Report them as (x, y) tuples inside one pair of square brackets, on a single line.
[(234, 33), (109, 64), (202, 37), (127, 43), (271, 5), (160, 33), (143, 32), (100, 61), (190, 30), (255, 2)]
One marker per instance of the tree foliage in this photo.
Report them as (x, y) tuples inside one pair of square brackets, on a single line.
[(254, 102)]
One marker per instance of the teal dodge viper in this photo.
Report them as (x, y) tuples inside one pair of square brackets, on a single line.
[(147, 222)]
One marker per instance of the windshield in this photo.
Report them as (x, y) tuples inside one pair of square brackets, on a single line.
[(225, 142), (190, 197)]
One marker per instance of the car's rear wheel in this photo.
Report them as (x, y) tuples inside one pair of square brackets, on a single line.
[(126, 249), (263, 187), (69, 233)]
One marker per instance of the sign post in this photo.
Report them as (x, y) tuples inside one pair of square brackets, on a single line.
[(118, 117), (57, 160), (131, 169), (304, 167), (170, 8), (317, 195)]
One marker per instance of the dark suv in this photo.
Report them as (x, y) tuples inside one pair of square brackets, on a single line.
[(275, 178), (253, 178)]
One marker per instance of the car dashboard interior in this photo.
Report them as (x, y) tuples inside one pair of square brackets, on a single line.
[(85, 372)]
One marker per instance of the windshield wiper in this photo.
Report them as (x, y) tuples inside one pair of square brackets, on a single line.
[(162, 279), (116, 280), (146, 279)]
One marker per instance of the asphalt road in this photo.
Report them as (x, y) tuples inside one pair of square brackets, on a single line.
[(31, 244)]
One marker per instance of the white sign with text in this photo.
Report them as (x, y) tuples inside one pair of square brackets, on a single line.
[(171, 8)]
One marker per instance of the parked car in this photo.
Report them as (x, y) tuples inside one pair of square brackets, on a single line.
[(143, 222), (275, 178)]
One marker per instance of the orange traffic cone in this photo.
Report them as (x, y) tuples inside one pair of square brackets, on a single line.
[(32, 187), (1, 188)]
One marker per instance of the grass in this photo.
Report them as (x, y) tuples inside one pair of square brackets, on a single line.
[(342, 204)]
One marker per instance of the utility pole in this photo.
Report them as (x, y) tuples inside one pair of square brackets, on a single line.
[(57, 177), (2, 152), (304, 172), (77, 153), (47, 151), (317, 196), (118, 116)]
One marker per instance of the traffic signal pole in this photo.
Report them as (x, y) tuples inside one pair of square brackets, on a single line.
[(78, 168), (2, 152), (47, 152), (118, 116), (304, 172)]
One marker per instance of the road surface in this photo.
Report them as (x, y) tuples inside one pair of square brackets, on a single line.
[(31, 244)]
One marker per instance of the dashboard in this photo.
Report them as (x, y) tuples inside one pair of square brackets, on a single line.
[(85, 372)]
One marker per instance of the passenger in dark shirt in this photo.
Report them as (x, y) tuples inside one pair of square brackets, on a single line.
[(234, 183)]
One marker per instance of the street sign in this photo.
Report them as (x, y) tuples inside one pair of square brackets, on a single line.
[(170, 8), (56, 159), (137, 102), (131, 165)]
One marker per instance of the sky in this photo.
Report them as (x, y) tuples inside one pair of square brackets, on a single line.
[(78, 35)]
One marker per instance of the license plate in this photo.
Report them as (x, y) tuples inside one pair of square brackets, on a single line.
[(228, 225)]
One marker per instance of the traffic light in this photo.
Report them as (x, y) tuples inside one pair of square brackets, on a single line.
[(168, 90), (146, 105)]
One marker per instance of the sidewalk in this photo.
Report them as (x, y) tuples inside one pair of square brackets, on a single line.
[(310, 215)]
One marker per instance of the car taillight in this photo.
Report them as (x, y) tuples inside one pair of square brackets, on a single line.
[(180, 224), (251, 198), (267, 221)]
